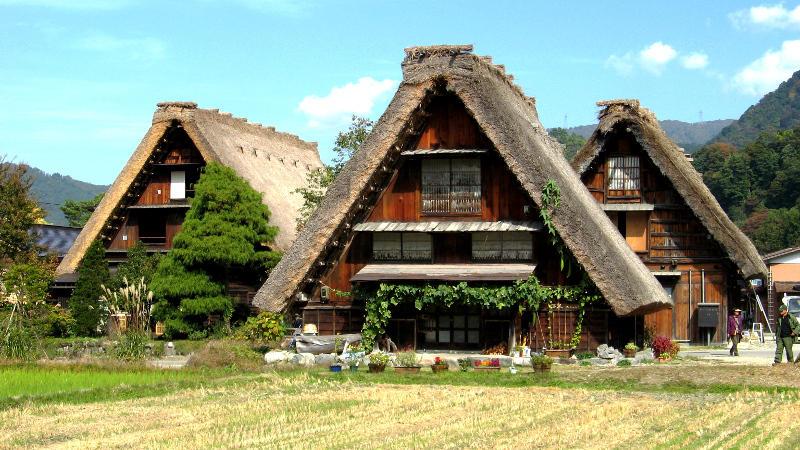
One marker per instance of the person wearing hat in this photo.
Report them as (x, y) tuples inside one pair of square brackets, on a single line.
[(735, 330), (786, 328)]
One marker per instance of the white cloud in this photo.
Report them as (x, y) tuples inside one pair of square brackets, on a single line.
[(343, 101), (102, 5), (694, 61), (655, 56), (767, 16), (767, 72), (137, 49)]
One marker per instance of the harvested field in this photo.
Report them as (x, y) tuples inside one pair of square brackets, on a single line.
[(298, 410)]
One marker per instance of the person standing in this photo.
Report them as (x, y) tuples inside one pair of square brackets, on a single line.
[(735, 330), (786, 328)]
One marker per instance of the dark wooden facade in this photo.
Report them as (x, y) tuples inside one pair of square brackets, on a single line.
[(449, 127), (669, 238)]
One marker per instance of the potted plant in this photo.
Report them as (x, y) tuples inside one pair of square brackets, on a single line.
[(519, 350), (630, 350), (492, 364), (464, 364), (406, 362), (664, 348), (439, 365), (541, 363), (557, 349), (336, 366), (378, 361)]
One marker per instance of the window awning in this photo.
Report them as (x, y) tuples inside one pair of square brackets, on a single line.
[(443, 151), (667, 274), (445, 272), (450, 226)]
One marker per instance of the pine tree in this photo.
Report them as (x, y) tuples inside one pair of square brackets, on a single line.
[(138, 264), (226, 234), (84, 303)]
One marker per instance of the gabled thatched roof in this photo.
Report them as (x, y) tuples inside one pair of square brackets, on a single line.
[(628, 116), (509, 120), (274, 164)]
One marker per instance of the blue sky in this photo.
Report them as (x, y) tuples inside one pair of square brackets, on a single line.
[(79, 79)]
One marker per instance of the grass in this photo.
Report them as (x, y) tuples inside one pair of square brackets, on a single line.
[(312, 410)]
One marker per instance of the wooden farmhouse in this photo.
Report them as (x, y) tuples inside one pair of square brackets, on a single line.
[(149, 199), (448, 189), (659, 203)]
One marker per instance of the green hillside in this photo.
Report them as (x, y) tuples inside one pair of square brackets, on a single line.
[(778, 110), (51, 190)]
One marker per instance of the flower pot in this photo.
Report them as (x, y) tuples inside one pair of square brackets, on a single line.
[(405, 370), (629, 353), (336, 368), (559, 352), (664, 360), (436, 368), (376, 368)]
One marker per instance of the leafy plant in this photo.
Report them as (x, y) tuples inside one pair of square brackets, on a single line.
[(624, 363), (541, 361), (379, 358), (438, 361), (584, 355), (585, 363), (84, 304), (662, 345), (406, 359), (132, 345), (464, 364), (630, 346), (265, 327)]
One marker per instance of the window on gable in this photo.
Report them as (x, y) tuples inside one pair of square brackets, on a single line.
[(504, 246), (401, 247), (623, 174), (451, 186)]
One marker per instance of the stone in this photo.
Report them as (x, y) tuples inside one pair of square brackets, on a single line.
[(606, 351), (276, 357), (303, 359), (324, 359), (644, 355), (169, 349)]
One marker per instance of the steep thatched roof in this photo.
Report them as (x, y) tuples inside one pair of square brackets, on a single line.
[(274, 164), (628, 116), (509, 120)]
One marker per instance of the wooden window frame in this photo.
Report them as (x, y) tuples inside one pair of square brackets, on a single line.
[(503, 258), (403, 250), (451, 186), (633, 191)]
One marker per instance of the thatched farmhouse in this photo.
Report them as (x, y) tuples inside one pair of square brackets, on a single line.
[(149, 199), (659, 203), (448, 191)]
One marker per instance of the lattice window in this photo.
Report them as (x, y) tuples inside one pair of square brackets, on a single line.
[(503, 246), (451, 186), (401, 246), (623, 173)]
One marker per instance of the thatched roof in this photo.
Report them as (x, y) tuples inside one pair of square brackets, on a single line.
[(274, 164), (509, 120), (628, 116)]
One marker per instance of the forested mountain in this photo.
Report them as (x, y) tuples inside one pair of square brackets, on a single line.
[(52, 190), (572, 142), (778, 110), (690, 136)]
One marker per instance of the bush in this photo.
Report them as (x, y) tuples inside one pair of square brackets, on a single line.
[(464, 364), (631, 347), (265, 327), (406, 359), (661, 345), (227, 354), (132, 346), (674, 349), (585, 363), (379, 358), (584, 355), (84, 304), (18, 343), (624, 363)]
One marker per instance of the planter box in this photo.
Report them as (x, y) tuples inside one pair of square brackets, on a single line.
[(405, 370), (376, 368), (487, 369), (559, 353), (439, 368), (629, 353)]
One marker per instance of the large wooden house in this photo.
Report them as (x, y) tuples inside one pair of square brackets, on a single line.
[(149, 199), (659, 203), (447, 189)]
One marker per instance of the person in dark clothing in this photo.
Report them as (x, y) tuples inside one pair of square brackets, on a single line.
[(786, 328), (735, 330)]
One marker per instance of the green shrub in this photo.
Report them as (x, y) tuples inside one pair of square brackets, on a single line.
[(585, 362), (227, 354), (18, 343), (265, 327), (379, 358), (84, 304), (624, 363), (584, 355), (132, 346), (464, 364)]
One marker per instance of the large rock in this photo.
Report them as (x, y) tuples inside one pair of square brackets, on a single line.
[(303, 359), (644, 355), (325, 359), (274, 357), (608, 352)]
